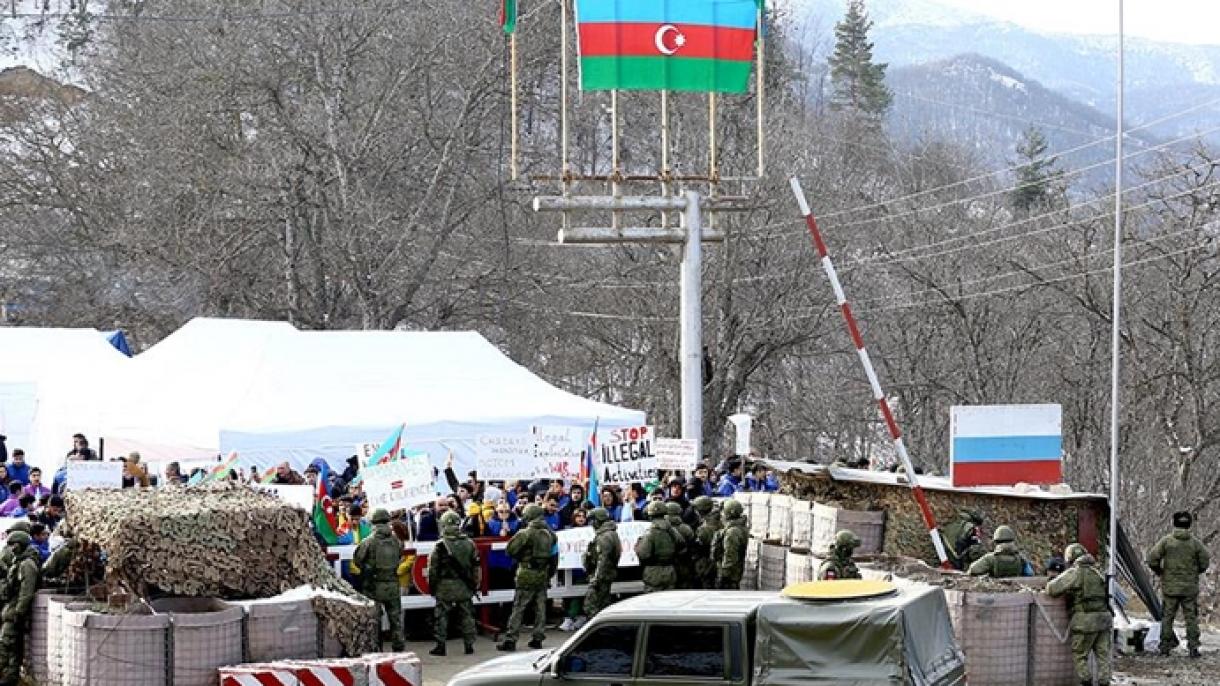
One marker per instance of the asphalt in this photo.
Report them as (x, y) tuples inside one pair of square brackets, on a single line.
[(438, 670)]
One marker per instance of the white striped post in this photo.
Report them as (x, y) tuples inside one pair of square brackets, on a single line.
[(886, 413)]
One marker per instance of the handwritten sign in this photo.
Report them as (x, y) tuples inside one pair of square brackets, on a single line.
[(94, 474), (677, 453), (627, 455), (298, 496), (574, 542), (502, 457), (400, 484), (557, 452)]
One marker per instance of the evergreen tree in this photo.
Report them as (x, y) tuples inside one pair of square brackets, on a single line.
[(858, 83), (1037, 177)]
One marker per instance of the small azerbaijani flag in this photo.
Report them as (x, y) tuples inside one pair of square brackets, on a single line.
[(678, 45), (588, 473), (268, 476), (325, 519), (216, 473), (508, 16), (389, 450)]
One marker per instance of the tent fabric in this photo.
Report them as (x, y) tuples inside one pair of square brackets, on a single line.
[(273, 393), (899, 639)]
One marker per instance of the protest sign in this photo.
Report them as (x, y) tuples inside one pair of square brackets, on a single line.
[(94, 474), (297, 496), (557, 452), (574, 542), (742, 423), (677, 453), (504, 457), (627, 456), (400, 484)]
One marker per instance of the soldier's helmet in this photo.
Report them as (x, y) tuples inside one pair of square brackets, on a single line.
[(1004, 534), (656, 509), (847, 538), (703, 504), (18, 538), (451, 518), (1074, 552), (673, 509), (733, 509), (973, 516), (599, 516), (23, 525), (531, 512), (380, 516)]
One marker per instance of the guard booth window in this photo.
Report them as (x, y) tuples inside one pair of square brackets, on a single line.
[(607, 651), (684, 650)]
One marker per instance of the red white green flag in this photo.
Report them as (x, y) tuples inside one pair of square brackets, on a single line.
[(679, 45), (508, 16)]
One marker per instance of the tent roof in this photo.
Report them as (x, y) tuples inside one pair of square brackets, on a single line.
[(30, 354)]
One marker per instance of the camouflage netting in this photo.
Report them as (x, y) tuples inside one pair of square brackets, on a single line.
[(1044, 527), (218, 540), (912, 569)]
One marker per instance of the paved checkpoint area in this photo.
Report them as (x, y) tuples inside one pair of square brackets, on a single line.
[(438, 670)]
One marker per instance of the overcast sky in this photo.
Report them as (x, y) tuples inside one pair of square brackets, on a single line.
[(1182, 21)]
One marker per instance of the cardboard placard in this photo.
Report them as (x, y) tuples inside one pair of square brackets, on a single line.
[(557, 452), (298, 496), (574, 542), (504, 457), (399, 485), (677, 453), (627, 455), (94, 474)]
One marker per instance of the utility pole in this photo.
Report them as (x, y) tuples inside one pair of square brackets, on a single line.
[(1116, 324), (691, 235)]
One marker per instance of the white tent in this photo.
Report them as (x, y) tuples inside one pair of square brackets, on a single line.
[(273, 393), (41, 367)]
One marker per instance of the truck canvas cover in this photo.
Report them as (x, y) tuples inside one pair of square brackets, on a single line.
[(904, 638)]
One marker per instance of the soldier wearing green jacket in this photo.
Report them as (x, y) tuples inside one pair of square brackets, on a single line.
[(1091, 624), (684, 563), (705, 568), (20, 585), (601, 561), (840, 565), (6, 555), (534, 549), (658, 550), (1004, 561), (729, 547), (454, 576), (961, 539), (378, 557), (1178, 559)]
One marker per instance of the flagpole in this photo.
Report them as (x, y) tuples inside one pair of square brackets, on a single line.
[(563, 105), (512, 51), (665, 189), (762, 80), (614, 170), (1116, 323)]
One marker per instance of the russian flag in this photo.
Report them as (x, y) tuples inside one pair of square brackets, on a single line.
[(1001, 445)]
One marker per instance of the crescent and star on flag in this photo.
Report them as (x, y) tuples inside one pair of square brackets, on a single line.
[(668, 39)]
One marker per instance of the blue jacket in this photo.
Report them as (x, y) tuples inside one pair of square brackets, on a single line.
[(495, 525), (729, 485), (43, 548), (615, 511), (60, 480), (553, 521), (19, 473), (767, 484)]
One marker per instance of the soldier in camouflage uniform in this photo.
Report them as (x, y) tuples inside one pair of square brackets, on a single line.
[(55, 569), (454, 575), (1091, 623), (534, 549), (658, 549), (378, 557), (6, 555), (601, 561), (684, 563), (1005, 561), (839, 564), (705, 568), (20, 585), (1178, 559), (729, 547), (961, 539)]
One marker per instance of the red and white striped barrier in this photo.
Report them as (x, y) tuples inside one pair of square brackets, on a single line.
[(379, 669)]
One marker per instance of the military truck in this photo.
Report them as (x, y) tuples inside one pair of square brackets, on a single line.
[(747, 637)]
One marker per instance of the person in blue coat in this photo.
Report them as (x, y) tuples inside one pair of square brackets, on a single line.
[(731, 482), (18, 470), (761, 480)]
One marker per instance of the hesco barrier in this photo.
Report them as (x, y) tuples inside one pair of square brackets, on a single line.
[(280, 630), (43, 645), (207, 634), (779, 519), (1012, 639), (115, 649), (760, 514), (55, 637), (797, 568), (1051, 646), (749, 576), (802, 525), (868, 525), (771, 567)]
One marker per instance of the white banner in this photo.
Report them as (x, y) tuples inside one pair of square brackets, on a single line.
[(627, 455), (297, 496), (742, 422), (94, 474), (574, 542), (400, 484), (504, 457), (557, 452), (677, 453)]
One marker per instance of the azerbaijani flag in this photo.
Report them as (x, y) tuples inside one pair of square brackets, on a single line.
[(679, 45), (508, 16), (216, 473), (588, 475), (325, 520), (389, 450)]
